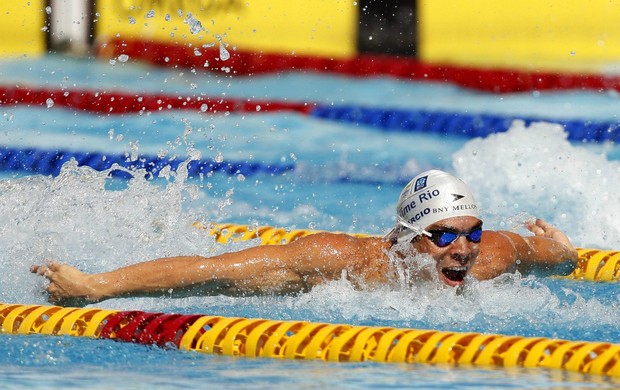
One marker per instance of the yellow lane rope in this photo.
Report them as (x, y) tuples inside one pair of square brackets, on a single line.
[(306, 340)]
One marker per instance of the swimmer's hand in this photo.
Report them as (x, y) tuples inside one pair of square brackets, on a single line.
[(68, 285), (564, 255), (544, 229)]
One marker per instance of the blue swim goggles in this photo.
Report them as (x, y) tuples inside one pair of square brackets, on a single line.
[(443, 238)]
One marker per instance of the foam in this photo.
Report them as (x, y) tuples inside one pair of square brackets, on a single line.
[(535, 170)]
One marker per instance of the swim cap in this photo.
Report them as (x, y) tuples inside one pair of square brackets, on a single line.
[(428, 198)]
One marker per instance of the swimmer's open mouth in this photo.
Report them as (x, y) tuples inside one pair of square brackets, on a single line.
[(455, 274)]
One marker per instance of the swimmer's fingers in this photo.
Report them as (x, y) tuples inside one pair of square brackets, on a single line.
[(541, 228), (53, 293), (45, 270)]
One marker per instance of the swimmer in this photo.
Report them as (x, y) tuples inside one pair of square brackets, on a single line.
[(437, 215)]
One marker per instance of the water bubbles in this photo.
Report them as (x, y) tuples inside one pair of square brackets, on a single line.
[(224, 54), (123, 58), (195, 27), (132, 20), (167, 17), (219, 158), (49, 102), (258, 107), (204, 107), (240, 177), (150, 14)]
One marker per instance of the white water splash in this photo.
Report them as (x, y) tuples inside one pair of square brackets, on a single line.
[(537, 171)]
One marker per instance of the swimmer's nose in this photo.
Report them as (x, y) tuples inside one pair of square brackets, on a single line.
[(461, 245), (462, 259)]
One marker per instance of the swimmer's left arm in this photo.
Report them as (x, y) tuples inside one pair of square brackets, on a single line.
[(549, 249)]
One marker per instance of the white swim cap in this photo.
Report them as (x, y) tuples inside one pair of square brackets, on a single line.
[(428, 198)]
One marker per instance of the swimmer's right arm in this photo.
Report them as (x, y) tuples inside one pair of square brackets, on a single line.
[(159, 275), (252, 269)]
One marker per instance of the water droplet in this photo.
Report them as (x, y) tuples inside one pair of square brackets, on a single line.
[(48, 10), (258, 108), (123, 58), (132, 20), (150, 14), (49, 103), (224, 54), (204, 108), (194, 24)]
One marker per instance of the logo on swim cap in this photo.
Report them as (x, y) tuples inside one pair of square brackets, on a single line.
[(457, 197), (428, 198), (420, 183)]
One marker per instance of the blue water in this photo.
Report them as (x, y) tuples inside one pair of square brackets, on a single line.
[(84, 218)]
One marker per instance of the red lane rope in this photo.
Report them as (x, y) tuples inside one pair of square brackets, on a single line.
[(248, 63), (114, 102)]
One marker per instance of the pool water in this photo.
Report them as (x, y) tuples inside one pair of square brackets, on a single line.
[(85, 218)]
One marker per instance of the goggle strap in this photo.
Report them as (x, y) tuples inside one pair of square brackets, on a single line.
[(416, 229)]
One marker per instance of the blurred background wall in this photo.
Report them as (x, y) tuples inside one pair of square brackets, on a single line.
[(532, 34)]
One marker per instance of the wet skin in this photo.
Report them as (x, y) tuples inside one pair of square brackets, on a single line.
[(317, 258)]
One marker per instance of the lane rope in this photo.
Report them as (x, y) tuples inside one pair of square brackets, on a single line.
[(50, 162), (116, 102), (496, 80), (391, 120), (311, 341)]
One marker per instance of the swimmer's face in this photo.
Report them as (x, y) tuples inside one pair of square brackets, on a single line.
[(455, 259)]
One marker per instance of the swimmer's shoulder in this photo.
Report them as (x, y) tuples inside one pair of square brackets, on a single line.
[(497, 255), (346, 245), (341, 239)]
